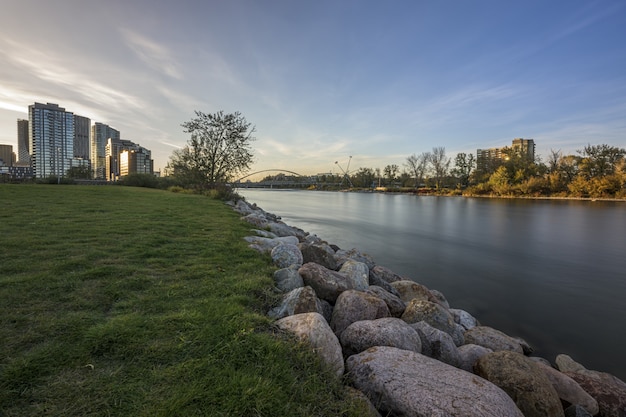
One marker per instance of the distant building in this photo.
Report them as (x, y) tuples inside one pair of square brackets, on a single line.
[(82, 131), (100, 134), (23, 146), (7, 157), (113, 150), (51, 139), (488, 158), (136, 161)]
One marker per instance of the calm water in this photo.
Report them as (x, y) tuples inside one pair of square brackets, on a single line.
[(552, 272)]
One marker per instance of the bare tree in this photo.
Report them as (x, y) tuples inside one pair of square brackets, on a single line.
[(439, 164), (391, 172), (417, 166)]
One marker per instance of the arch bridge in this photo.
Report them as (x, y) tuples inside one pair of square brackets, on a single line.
[(299, 181)]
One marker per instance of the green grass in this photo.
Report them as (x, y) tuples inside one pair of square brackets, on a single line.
[(120, 301)]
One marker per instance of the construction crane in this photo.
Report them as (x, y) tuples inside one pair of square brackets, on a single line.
[(346, 175)]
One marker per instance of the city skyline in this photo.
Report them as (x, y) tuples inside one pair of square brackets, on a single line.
[(322, 82)]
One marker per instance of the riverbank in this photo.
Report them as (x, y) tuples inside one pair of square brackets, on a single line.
[(319, 286)]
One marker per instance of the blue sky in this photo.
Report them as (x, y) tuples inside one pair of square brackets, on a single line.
[(325, 80)]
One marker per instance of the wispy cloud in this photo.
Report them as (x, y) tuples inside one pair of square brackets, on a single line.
[(152, 53)]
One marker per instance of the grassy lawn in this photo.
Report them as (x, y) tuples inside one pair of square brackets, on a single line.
[(120, 301)]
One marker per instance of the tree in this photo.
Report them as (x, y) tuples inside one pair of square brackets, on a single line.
[(364, 177), (440, 164), (600, 160), (463, 166), (391, 172), (417, 167), (218, 150)]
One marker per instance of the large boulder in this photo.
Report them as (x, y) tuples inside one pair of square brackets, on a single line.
[(257, 219), (266, 244), (405, 383), (357, 272), (299, 300), (395, 304), (569, 390), (320, 253), (326, 283), (286, 255), (492, 339), (523, 380), (608, 390), (342, 255), (437, 344), (469, 355), (432, 313), (410, 290), (464, 318), (287, 279), (388, 331), (313, 329), (385, 274), (353, 306)]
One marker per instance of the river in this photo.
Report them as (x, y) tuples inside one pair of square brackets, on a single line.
[(550, 271)]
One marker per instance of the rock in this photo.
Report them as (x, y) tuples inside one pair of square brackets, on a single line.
[(343, 255), (314, 330), (379, 282), (463, 318), (242, 207), (264, 233), (265, 245), (492, 339), (281, 229), (326, 283), (577, 411), (608, 390), (404, 383), (526, 348), (432, 313), (540, 360), (353, 306), (320, 253), (287, 279), (469, 355), (357, 272), (437, 344), (523, 380), (388, 331), (299, 300), (410, 290), (286, 255), (569, 390), (365, 406), (394, 303), (386, 274), (257, 219), (440, 298)]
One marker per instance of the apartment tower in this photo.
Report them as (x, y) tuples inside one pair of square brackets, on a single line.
[(51, 139), (100, 134), (23, 147)]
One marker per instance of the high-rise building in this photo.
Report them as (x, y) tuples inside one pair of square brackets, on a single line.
[(51, 139), (525, 147), (82, 130), (136, 161), (113, 150), (100, 133), (7, 157), (23, 146)]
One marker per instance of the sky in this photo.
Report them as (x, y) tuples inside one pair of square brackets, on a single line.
[(328, 85)]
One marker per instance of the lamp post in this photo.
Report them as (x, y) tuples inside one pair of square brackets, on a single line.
[(59, 168)]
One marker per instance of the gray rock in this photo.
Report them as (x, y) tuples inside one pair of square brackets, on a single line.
[(299, 300), (287, 279), (257, 219), (388, 331), (353, 306), (569, 390), (464, 318), (404, 383), (281, 229), (374, 279), (386, 274), (432, 313), (365, 406), (410, 290), (265, 245), (577, 411), (523, 380), (394, 303), (608, 390), (264, 233), (492, 339), (469, 355), (343, 255), (286, 255), (540, 360), (357, 272), (313, 329), (326, 283), (242, 207), (437, 344), (320, 253), (440, 298)]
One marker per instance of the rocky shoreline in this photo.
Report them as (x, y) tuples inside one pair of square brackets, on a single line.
[(403, 349)]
